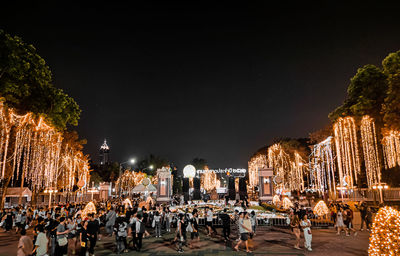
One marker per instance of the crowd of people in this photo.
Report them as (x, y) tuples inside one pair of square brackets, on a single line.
[(70, 230)]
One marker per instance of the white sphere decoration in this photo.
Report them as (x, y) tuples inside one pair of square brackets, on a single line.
[(189, 171)]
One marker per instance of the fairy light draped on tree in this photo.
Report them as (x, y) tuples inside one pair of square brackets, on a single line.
[(89, 208), (347, 149), (321, 209), (323, 167), (130, 179), (276, 200), (286, 203), (35, 152), (256, 163), (208, 180), (391, 149), (370, 150), (288, 170), (385, 233)]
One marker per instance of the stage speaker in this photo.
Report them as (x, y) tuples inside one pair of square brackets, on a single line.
[(231, 188), (242, 188), (185, 187), (196, 189)]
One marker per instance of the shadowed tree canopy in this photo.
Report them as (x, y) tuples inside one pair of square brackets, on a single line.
[(365, 94), (199, 163), (152, 160), (26, 84), (391, 110)]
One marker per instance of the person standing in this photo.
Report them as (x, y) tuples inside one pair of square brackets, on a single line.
[(253, 219), (363, 213), (195, 238), (226, 225), (41, 242), (140, 229), (25, 245), (339, 222), (121, 233), (157, 223), (92, 231), (110, 218), (295, 225), (209, 221), (244, 232), (84, 238), (181, 232), (62, 241), (306, 225)]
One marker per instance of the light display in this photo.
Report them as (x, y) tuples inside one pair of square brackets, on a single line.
[(289, 171), (276, 200), (286, 203), (130, 179), (347, 150), (208, 180), (127, 203), (322, 171), (256, 163), (370, 150), (89, 208), (321, 209), (385, 233), (391, 149), (36, 152)]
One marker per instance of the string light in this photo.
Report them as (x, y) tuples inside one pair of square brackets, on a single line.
[(208, 180), (37, 153), (391, 149), (286, 203), (130, 179), (276, 200), (347, 150), (370, 150), (322, 174), (255, 164), (289, 171), (89, 208), (321, 209), (385, 233)]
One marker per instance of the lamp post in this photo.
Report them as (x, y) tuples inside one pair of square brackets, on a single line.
[(50, 191), (380, 187)]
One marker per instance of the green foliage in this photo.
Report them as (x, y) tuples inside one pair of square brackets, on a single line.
[(365, 94), (391, 110), (156, 161), (26, 84), (199, 163)]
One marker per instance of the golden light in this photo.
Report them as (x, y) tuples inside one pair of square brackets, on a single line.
[(286, 203), (323, 168), (321, 209), (391, 149), (255, 164), (370, 150), (385, 233), (348, 157), (89, 208), (276, 200)]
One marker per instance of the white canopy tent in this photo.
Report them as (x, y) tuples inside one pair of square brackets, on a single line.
[(143, 189)]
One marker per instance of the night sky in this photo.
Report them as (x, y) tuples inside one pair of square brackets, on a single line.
[(198, 79)]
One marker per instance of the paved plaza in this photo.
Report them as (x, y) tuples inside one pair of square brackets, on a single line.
[(266, 242)]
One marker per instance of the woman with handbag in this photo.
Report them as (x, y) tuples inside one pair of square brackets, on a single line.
[(306, 225), (62, 241)]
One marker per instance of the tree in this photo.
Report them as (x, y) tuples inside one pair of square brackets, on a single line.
[(365, 94), (156, 162), (199, 163), (26, 84), (391, 110)]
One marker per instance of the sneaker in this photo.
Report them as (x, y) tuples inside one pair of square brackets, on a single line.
[(355, 234), (309, 249)]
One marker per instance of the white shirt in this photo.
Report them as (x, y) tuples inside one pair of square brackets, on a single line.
[(41, 242), (209, 215)]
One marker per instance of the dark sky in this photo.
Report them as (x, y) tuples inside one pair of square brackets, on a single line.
[(199, 79)]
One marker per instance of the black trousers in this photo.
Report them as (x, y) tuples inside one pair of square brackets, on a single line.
[(133, 241), (139, 241), (226, 231), (93, 241)]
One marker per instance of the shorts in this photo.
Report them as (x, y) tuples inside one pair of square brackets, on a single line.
[(243, 236), (194, 235), (209, 223)]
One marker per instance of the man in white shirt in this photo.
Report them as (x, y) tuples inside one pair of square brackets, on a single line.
[(209, 221)]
